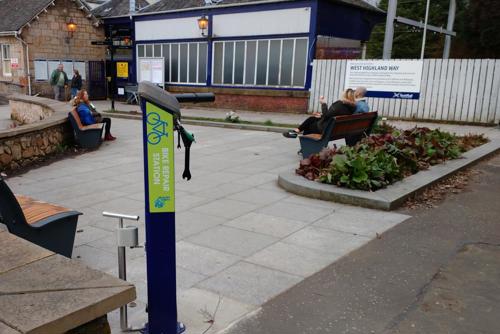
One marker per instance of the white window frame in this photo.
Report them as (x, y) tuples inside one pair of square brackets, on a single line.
[(6, 60), (168, 80), (256, 63)]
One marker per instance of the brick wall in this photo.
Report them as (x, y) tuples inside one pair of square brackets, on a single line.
[(47, 39)]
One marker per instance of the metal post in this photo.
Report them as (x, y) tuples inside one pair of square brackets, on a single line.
[(122, 266), (363, 50), (389, 28), (425, 29), (449, 26)]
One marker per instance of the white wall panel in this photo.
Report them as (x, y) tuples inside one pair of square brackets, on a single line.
[(271, 22), (186, 27)]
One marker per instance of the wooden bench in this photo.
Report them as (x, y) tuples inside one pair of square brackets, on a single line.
[(47, 225), (86, 136), (351, 127)]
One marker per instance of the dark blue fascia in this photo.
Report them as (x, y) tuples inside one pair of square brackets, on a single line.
[(237, 38), (344, 21)]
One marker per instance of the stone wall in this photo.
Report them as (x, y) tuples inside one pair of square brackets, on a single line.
[(27, 144), (26, 113)]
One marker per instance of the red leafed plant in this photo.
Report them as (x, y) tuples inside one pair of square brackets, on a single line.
[(311, 167)]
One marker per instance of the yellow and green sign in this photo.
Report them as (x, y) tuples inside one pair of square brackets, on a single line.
[(160, 151)]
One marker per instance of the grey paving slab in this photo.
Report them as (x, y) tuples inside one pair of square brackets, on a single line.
[(109, 245), (368, 224), (277, 227), (88, 234), (203, 260), (327, 241), (205, 303), (190, 222), (187, 279), (226, 208), (257, 179), (120, 205), (232, 240), (94, 258), (292, 259), (249, 283), (258, 196), (224, 190), (295, 211)]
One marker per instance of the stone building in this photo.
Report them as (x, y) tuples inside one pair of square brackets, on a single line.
[(37, 35)]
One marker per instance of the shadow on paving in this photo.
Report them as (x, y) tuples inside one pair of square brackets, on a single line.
[(438, 272)]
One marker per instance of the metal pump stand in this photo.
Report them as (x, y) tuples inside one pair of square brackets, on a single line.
[(127, 236)]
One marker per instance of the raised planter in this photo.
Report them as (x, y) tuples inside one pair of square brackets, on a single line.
[(24, 145), (394, 195)]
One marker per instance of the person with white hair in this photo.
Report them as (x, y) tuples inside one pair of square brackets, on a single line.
[(361, 104)]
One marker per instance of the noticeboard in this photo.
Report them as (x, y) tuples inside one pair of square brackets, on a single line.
[(396, 79), (122, 69)]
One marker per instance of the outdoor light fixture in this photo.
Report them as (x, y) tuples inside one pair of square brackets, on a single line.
[(203, 25), (71, 25)]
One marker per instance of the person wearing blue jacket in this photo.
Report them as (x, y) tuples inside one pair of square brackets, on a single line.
[(361, 104), (88, 115)]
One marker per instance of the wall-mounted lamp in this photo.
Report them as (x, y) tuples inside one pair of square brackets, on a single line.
[(203, 25), (71, 25)]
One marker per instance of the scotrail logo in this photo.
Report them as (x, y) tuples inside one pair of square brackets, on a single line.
[(403, 96)]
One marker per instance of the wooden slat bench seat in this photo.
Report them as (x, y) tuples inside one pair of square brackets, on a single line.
[(351, 127), (87, 136), (47, 225)]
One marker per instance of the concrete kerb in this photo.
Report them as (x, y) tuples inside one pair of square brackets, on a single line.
[(393, 196), (239, 126)]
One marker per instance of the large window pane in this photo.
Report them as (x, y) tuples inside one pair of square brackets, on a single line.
[(202, 63), (274, 63), (228, 62), (299, 70), (174, 69), (166, 57), (157, 50), (250, 63), (262, 62), (193, 64), (140, 51), (239, 64), (183, 62), (217, 77), (286, 62), (149, 50)]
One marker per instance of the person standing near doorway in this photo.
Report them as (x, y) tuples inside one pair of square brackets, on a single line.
[(59, 80), (76, 83)]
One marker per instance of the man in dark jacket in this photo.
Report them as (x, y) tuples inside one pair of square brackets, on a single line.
[(59, 80), (76, 83)]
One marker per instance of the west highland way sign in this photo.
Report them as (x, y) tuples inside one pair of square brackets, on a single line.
[(394, 79)]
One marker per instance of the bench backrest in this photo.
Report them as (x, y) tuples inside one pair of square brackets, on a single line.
[(352, 125), (74, 117), (11, 213)]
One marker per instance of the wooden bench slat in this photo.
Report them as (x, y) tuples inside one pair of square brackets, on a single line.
[(34, 210)]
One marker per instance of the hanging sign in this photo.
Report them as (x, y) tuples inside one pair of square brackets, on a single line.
[(395, 79), (122, 69), (160, 151)]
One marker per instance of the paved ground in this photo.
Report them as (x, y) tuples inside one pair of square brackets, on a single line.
[(240, 237), (438, 272)]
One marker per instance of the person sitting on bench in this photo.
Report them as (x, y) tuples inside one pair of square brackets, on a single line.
[(361, 104), (318, 121), (88, 114)]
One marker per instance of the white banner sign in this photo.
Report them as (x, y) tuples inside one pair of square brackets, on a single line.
[(396, 79)]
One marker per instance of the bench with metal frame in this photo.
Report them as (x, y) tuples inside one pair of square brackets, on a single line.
[(351, 127), (86, 136), (47, 225)]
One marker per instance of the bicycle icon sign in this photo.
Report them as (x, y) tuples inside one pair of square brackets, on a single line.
[(159, 128)]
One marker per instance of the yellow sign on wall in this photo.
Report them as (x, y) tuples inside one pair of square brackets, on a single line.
[(122, 69)]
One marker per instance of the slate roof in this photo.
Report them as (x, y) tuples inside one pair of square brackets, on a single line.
[(14, 14), (168, 5), (117, 8)]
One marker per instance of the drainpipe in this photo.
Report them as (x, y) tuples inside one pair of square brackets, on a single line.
[(27, 60)]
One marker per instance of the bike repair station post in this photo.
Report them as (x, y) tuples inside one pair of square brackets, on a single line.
[(161, 117)]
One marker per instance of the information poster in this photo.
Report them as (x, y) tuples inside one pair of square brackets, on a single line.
[(395, 79), (122, 69), (160, 146)]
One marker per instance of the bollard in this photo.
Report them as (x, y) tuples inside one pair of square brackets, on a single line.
[(126, 237)]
